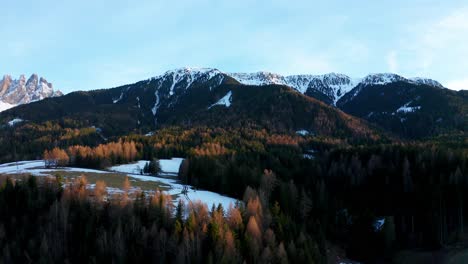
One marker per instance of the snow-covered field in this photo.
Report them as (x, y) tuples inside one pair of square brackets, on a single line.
[(170, 167), (36, 168)]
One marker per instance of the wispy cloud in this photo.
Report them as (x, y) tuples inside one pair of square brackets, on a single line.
[(435, 48), (392, 61)]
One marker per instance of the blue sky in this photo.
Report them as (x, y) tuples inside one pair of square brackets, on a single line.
[(91, 44)]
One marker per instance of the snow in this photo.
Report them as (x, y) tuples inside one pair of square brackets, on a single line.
[(408, 109), (303, 132), (188, 76), (226, 100), (156, 104), (334, 85), (36, 168), (22, 92), (378, 224), (15, 121), (382, 79), (168, 166), (258, 78), (130, 168), (174, 82), (426, 81), (4, 106), (192, 195)]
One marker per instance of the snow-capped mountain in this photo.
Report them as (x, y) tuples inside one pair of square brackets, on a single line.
[(426, 81), (333, 85), (329, 88), (205, 96), (22, 91)]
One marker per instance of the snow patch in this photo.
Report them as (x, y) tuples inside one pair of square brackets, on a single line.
[(168, 166), (408, 109), (15, 121), (303, 132), (156, 104), (382, 79), (4, 106), (226, 100), (134, 168), (37, 168), (378, 224), (118, 99)]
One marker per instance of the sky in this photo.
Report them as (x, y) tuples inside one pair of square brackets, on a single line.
[(93, 44)]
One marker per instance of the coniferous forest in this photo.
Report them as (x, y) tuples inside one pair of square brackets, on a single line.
[(234, 165), (302, 199)]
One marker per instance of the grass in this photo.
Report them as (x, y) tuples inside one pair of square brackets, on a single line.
[(112, 179)]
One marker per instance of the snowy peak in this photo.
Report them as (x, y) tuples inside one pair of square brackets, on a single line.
[(382, 79), (333, 85), (192, 73), (184, 78), (427, 81), (258, 78), (22, 91), (386, 78)]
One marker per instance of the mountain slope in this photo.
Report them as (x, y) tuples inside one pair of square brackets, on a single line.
[(22, 91), (191, 97), (328, 87), (409, 109)]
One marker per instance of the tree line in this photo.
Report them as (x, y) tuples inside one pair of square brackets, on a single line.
[(43, 222)]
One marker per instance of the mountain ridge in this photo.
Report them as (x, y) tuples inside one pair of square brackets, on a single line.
[(187, 95), (22, 91), (332, 85)]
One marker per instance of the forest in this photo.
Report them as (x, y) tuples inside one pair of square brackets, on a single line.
[(41, 222), (328, 192)]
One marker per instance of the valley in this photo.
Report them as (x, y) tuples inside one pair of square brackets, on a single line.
[(114, 178), (315, 167)]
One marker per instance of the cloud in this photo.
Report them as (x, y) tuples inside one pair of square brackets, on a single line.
[(458, 84), (392, 61), (458, 20), (435, 48)]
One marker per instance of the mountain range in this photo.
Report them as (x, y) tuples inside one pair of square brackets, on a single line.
[(21, 91), (331, 104)]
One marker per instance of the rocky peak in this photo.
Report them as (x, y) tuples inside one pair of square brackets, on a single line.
[(22, 91)]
